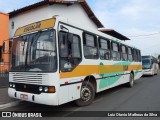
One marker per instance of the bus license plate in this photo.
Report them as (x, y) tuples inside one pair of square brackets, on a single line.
[(24, 96)]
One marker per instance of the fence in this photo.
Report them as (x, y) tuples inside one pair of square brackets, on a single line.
[(4, 75), (4, 70)]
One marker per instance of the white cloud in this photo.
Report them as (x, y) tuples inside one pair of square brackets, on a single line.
[(132, 17), (139, 10), (10, 5)]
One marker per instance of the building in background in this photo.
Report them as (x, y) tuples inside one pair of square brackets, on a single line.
[(4, 42), (76, 10)]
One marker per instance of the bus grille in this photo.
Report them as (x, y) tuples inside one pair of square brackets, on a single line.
[(28, 78)]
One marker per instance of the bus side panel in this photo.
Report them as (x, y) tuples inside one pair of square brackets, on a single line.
[(74, 91), (138, 75), (63, 94), (69, 90)]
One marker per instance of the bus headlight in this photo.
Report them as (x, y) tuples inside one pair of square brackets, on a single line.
[(46, 89), (10, 85), (40, 88), (13, 85)]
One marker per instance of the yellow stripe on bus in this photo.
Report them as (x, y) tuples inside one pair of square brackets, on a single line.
[(84, 70)]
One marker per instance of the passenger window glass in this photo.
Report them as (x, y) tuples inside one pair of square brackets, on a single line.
[(104, 49), (130, 56), (140, 59), (90, 47), (103, 44), (123, 49), (135, 55), (70, 52), (89, 40), (129, 51), (76, 47), (124, 54), (63, 44), (115, 47), (115, 52)]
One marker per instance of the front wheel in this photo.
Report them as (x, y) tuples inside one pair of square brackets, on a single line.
[(131, 80), (87, 94)]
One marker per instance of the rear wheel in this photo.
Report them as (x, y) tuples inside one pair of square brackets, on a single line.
[(156, 72), (131, 80), (87, 94)]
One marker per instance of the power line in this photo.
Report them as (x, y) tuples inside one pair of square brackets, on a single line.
[(151, 47), (145, 35)]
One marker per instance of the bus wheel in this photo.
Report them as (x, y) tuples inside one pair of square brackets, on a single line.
[(131, 81), (157, 72), (87, 94)]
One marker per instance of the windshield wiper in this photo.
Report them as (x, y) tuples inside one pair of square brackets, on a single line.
[(36, 38), (33, 40)]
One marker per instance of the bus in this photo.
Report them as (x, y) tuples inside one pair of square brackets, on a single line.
[(55, 61), (150, 65)]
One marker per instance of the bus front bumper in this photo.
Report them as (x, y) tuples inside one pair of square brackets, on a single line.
[(147, 72), (43, 98)]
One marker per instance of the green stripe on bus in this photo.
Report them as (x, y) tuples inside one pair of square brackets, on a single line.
[(106, 82)]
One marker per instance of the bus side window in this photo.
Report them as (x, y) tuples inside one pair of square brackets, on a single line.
[(90, 47), (76, 51), (139, 55), (104, 49), (130, 56), (63, 44), (135, 55), (70, 52), (115, 51), (124, 53)]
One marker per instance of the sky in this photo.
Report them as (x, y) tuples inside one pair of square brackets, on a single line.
[(137, 19)]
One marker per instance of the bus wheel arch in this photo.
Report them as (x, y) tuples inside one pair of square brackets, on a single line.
[(87, 92), (92, 80), (132, 72)]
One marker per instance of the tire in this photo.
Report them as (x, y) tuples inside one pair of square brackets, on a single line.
[(131, 81), (157, 72), (87, 94)]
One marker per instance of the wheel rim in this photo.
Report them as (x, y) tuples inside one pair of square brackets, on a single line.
[(85, 94)]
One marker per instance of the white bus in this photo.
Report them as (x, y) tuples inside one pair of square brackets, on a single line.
[(55, 61), (150, 65)]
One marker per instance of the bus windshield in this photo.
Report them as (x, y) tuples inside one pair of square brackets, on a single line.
[(35, 52), (146, 63)]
